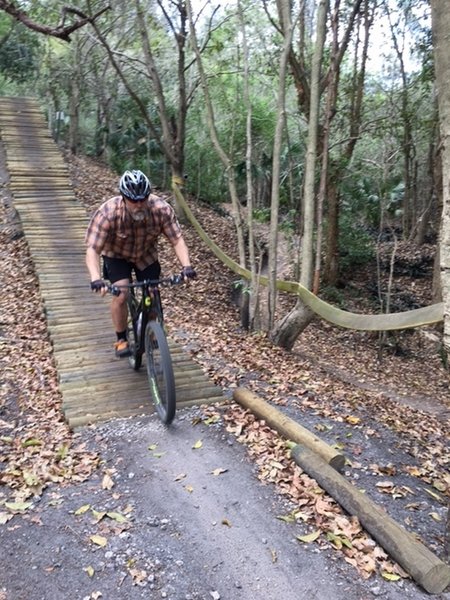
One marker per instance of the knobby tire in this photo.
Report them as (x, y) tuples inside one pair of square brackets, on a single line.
[(135, 359), (160, 372)]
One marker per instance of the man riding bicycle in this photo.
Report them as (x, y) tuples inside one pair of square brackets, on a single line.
[(124, 231)]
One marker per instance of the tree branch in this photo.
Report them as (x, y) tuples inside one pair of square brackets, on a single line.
[(62, 32)]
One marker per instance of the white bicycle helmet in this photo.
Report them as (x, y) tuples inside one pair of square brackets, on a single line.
[(135, 186)]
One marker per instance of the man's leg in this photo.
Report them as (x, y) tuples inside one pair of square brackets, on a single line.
[(118, 271), (119, 310)]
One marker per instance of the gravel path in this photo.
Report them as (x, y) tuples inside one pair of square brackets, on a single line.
[(199, 525)]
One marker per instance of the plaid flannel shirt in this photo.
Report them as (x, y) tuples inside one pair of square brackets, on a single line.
[(113, 232)]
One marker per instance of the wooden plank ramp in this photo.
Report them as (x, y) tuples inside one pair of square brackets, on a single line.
[(95, 386)]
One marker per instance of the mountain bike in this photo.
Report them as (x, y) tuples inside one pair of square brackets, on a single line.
[(146, 334)]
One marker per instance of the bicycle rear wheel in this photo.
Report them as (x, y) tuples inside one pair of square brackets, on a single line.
[(135, 359), (160, 372)]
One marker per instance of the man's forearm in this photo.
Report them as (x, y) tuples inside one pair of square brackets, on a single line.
[(93, 264), (182, 252)]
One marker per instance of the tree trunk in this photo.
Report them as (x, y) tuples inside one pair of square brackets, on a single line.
[(286, 331), (441, 43), (225, 159), (428, 205), (74, 113), (331, 268), (339, 166), (74, 102), (407, 138), (284, 12), (250, 301)]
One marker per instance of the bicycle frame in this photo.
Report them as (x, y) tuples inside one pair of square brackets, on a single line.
[(147, 308)]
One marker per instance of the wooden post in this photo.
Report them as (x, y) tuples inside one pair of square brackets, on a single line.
[(287, 427), (417, 560)]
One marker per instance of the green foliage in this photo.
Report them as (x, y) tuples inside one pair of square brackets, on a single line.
[(262, 215), (19, 51), (356, 245), (132, 145), (332, 295), (289, 222)]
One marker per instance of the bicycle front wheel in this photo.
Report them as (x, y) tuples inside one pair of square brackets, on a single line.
[(160, 372), (135, 359)]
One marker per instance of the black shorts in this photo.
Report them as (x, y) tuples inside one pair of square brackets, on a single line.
[(115, 269)]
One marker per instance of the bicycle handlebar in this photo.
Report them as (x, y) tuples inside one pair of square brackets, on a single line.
[(165, 281)]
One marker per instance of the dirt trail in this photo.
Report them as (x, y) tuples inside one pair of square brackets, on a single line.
[(190, 535)]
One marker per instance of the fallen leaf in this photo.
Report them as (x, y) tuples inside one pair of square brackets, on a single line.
[(107, 482), (198, 444), (98, 540), (384, 484), (338, 540), (309, 537), (435, 516), (98, 515), (287, 518), (226, 522), (434, 495), (32, 442), (440, 486), (189, 488), (390, 576), (180, 477), (82, 509), (117, 517), (90, 571), (139, 576), (62, 452), (218, 471), (5, 517), (18, 506)]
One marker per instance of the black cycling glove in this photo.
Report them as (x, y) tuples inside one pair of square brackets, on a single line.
[(188, 272), (97, 285)]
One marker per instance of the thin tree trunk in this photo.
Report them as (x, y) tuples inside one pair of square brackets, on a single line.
[(249, 301), (284, 12), (225, 159), (408, 142), (330, 110), (331, 268), (441, 42)]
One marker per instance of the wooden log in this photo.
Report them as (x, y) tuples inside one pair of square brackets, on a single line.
[(415, 558), (288, 428)]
